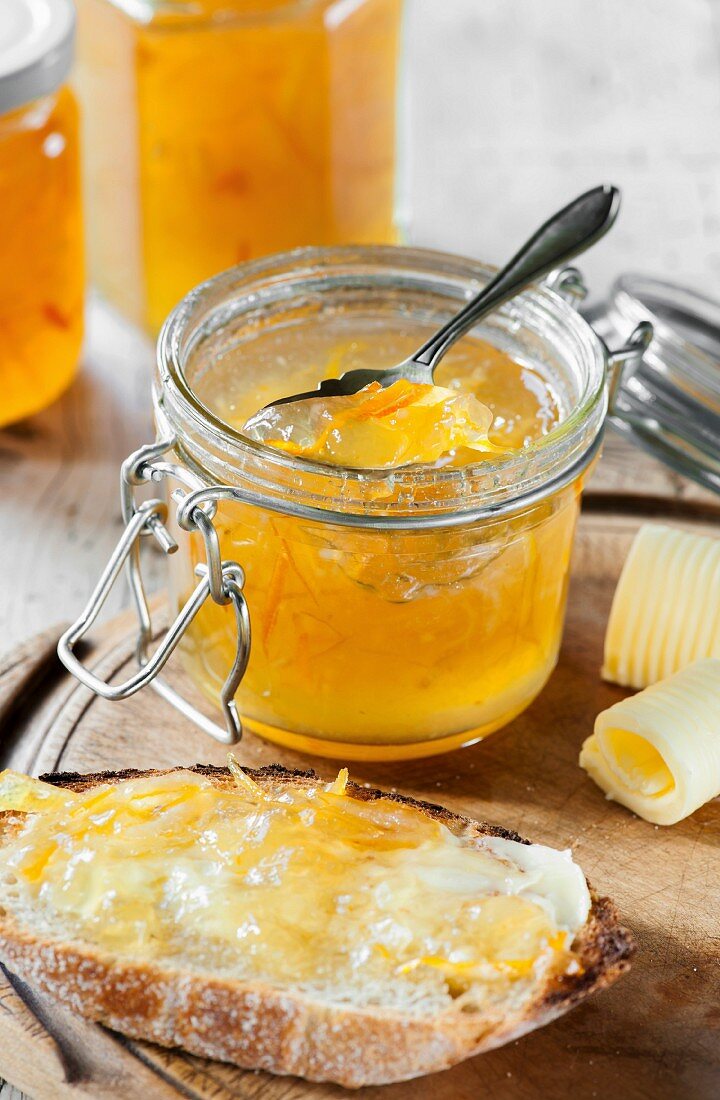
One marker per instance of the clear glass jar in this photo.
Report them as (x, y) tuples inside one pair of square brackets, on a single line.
[(42, 271), (222, 130), (669, 404), (394, 613)]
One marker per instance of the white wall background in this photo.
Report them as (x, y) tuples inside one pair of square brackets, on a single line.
[(517, 105)]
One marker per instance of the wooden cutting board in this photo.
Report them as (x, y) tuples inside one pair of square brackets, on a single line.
[(656, 1034)]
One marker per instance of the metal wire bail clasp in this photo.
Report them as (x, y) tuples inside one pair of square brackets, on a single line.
[(220, 580), (569, 283), (624, 361)]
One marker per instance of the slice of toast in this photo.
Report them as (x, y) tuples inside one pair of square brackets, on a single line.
[(311, 1030)]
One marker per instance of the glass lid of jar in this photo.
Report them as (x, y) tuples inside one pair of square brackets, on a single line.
[(669, 403)]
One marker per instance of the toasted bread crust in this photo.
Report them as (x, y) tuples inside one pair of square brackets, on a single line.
[(259, 1027)]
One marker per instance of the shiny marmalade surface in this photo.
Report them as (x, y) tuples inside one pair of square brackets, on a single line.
[(379, 428), (292, 885), (372, 644), (197, 161), (42, 270)]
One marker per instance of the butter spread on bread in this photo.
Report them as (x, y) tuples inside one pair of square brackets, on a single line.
[(281, 922)]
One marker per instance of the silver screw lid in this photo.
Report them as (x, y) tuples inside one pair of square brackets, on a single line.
[(37, 42)]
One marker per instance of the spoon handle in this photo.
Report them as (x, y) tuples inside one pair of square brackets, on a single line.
[(563, 236)]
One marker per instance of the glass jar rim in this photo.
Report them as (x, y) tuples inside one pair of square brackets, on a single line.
[(511, 480), (190, 12), (685, 324), (668, 403)]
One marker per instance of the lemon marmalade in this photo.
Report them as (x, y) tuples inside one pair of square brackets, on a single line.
[(303, 885), (195, 161), (41, 223), (383, 644)]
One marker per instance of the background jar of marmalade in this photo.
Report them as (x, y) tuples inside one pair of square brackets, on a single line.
[(42, 273), (223, 130), (394, 613)]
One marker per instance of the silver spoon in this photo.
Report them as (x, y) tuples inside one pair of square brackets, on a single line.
[(572, 230)]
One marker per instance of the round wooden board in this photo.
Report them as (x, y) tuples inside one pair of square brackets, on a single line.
[(656, 1034)]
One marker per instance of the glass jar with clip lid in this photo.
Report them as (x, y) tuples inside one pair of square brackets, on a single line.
[(394, 613)]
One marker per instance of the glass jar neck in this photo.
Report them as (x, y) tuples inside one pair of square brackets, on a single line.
[(221, 12), (537, 327), (30, 116)]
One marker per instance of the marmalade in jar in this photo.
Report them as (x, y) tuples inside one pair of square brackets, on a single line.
[(372, 643), (42, 270), (223, 130)]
